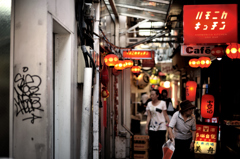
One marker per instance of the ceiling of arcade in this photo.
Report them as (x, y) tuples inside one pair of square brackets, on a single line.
[(154, 24)]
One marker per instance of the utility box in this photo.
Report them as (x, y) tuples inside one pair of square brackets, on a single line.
[(120, 147)]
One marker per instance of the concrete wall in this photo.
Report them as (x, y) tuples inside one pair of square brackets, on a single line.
[(44, 78)]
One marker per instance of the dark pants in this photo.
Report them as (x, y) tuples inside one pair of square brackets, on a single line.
[(182, 149), (156, 140)]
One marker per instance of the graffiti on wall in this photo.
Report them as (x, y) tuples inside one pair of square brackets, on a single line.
[(27, 96)]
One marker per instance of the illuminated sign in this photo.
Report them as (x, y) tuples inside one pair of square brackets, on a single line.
[(196, 50), (206, 139), (210, 24), (138, 54)]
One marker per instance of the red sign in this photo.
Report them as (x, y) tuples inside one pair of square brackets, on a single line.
[(138, 54), (206, 133), (210, 24)]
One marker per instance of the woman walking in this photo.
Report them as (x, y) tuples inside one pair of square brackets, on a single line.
[(156, 124), (184, 124)]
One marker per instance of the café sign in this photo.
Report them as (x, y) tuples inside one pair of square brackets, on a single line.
[(196, 50), (210, 24)]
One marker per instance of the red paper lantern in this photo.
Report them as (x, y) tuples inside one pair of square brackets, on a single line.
[(135, 69), (205, 62), (233, 51), (128, 63), (120, 65), (191, 88), (194, 63), (111, 60), (217, 52), (207, 106)]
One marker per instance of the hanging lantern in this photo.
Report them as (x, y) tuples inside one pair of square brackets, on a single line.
[(205, 62), (218, 52), (207, 106), (191, 88), (136, 70), (233, 51), (128, 63), (194, 63), (120, 65), (111, 60)]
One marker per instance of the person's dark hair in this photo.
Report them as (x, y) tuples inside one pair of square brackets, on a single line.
[(156, 91), (165, 91)]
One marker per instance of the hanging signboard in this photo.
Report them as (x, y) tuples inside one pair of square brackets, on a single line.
[(196, 50), (210, 24), (206, 139), (166, 67), (138, 54)]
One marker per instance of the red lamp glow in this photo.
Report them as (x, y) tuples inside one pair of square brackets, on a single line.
[(194, 63), (207, 106), (191, 88), (128, 63), (205, 62), (233, 51), (120, 65), (111, 60)]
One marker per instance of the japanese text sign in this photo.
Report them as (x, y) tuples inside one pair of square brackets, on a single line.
[(206, 139), (210, 24), (138, 54)]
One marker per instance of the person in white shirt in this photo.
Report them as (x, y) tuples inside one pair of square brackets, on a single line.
[(156, 124), (184, 124)]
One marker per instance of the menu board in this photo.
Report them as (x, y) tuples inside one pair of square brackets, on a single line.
[(206, 139)]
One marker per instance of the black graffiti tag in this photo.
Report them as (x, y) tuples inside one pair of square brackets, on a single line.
[(27, 99)]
